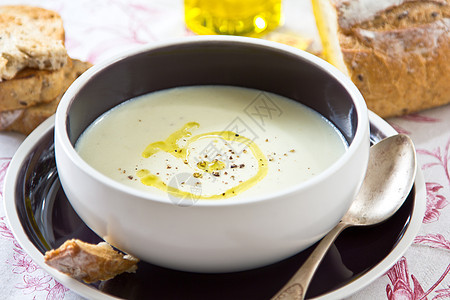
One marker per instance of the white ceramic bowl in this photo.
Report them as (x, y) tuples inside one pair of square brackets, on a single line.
[(224, 235)]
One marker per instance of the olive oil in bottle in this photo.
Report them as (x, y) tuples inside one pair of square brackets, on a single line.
[(232, 17)]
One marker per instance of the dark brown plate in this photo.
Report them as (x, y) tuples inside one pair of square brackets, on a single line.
[(42, 218)]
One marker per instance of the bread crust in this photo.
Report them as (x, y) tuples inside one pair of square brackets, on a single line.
[(400, 72), (353, 13), (88, 262), (18, 13), (29, 118), (30, 37), (30, 87), (399, 57)]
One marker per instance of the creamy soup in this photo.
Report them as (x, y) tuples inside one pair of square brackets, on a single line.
[(211, 142)]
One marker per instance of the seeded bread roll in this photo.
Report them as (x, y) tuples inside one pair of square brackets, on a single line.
[(30, 37), (397, 52), (26, 120), (89, 262)]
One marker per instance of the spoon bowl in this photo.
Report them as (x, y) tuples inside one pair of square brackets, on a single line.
[(389, 178)]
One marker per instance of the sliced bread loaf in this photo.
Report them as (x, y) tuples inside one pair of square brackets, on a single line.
[(31, 86), (26, 120)]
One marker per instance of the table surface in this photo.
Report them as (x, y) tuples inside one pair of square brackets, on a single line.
[(96, 30)]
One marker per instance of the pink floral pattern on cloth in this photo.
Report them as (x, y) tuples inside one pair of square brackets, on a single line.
[(435, 202), (32, 280), (401, 288), (96, 30)]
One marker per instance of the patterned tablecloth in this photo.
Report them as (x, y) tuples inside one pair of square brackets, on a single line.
[(96, 30)]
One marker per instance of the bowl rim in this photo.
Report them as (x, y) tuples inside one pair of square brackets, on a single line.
[(361, 133)]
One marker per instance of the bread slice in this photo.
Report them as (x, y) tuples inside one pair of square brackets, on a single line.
[(31, 86), (30, 37), (395, 51), (26, 120), (89, 262)]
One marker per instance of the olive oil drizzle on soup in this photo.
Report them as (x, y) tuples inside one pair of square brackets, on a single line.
[(211, 142)]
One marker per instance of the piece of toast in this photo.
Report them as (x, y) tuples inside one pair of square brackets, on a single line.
[(88, 262), (31, 86), (26, 120), (30, 37)]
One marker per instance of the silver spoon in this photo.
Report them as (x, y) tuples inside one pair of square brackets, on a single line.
[(389, 178)]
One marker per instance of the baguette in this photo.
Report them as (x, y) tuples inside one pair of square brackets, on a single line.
[(395, 51), (30, 37)]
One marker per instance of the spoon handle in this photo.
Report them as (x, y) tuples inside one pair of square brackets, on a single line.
[(296, 287)]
